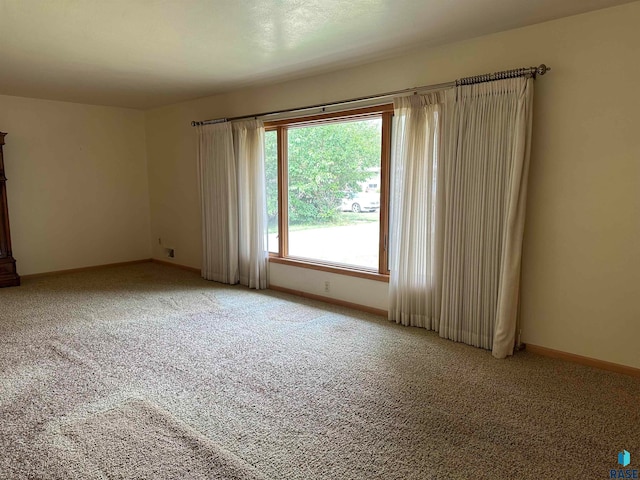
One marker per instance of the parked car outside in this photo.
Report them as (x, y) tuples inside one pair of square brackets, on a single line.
[(360, 202)]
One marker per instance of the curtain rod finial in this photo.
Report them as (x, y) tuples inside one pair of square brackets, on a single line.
[(542, 69)]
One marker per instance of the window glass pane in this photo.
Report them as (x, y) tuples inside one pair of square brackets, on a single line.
[(271, 172), (334, 194)]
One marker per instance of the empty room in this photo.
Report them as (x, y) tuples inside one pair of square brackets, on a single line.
[(319, 239)]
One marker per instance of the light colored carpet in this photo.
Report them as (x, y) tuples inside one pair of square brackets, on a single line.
[(138, 440), (286, 388)]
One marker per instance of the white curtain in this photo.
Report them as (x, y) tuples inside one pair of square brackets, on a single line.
[(415, 255), (248, 142), (219, 202), (233, 201), (476, 197)]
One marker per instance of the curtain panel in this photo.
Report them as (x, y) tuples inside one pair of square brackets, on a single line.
[(233, 202), (457, 271), (415, 214)]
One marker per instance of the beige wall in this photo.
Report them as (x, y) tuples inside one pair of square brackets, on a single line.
[(581, 277), (77, 184)]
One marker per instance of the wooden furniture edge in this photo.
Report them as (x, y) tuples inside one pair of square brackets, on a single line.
[(84, 269), (8, 272), (333, 301), (582, 360)]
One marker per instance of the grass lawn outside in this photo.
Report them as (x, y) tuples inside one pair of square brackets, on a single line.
[(345, 218)]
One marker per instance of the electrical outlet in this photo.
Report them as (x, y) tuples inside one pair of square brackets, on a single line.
[(327, 286), (170, 252)]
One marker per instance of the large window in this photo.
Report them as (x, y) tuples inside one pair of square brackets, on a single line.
[(327, 184)]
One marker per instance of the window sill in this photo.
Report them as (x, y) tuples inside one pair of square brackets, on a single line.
[(341, 270)]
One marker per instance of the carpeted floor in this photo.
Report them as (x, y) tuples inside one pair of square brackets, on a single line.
[(148, 371)]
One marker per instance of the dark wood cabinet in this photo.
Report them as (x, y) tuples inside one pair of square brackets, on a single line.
[(8, 275)]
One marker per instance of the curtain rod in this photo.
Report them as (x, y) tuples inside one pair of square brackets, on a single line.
[(487, 77)]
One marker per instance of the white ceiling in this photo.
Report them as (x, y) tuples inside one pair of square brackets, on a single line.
[(146, 53)]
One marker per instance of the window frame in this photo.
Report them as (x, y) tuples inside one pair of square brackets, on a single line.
[(281, 128)]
